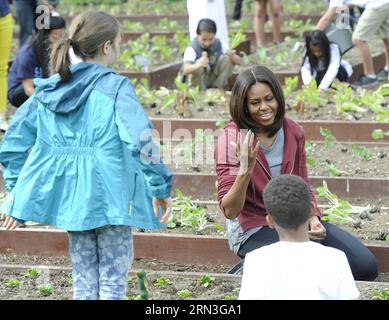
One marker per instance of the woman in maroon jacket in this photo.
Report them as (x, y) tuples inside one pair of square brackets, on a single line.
[(261, 143)]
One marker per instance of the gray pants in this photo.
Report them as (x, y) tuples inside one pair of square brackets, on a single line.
[(216, 77)]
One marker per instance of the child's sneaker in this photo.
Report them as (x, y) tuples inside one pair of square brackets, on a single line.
[(382, 75), (364, 82)]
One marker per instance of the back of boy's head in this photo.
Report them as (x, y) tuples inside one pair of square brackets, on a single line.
[(87, 33), (287, 200), (206, 25)]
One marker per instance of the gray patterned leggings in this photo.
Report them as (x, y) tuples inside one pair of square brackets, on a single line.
[(101, 259)]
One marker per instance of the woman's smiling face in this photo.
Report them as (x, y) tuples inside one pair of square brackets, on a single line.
[(262, 104)]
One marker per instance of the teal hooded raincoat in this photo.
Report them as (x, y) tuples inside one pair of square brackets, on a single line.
[(79, 155)]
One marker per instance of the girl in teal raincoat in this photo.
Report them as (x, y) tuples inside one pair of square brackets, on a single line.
[(79, 155)]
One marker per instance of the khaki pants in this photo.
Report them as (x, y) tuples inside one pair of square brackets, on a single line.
[(217, 77), (374, 21)]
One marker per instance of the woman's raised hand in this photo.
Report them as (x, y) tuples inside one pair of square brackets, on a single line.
[(246, 153)]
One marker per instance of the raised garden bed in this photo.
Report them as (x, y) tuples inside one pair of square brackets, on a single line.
[(328, 159)]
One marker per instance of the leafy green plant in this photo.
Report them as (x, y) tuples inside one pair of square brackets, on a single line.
[(133, 26), (380, 295), (334, 171), (262, 55), (329, 138), (379, 134), (308, 97), (311, 162), (162, 282), (339, 211), (189, 214), (134, 297), (290, 85), (220, 124), (167, 24), (12, 283), (45, 290), (345, 99), (237, 38), (206, 280), (183, 40), (362, 152), (185, 293), (33, 273), (130, 281), (229, 298), (214, 97)]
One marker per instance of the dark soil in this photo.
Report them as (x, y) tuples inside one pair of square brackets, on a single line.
[(223, 287)]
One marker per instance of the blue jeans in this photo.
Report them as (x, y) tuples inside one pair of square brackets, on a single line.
[(25, 13), (101, 259)]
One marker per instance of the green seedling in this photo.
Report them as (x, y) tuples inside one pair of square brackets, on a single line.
[(185, 293), (206, 280), (45, 290), (166, 24), (162, 282), (290, 85), (329, 138), (262, 55), (379, 134), (33, 273), (220, 124), (12, 283), (380, 295), (133, 26), (188, 213), (339, 211), (362, 152), (308, 97), (130, 281), (183, 40), (229, 298), (236, 290), (345, 99), (134, 297), (237, 38), (334, 171)]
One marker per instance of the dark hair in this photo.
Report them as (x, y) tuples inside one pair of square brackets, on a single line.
[(87, 33), (239, 105), (287, 200), (40, 42), (206, 25), (317, 38)]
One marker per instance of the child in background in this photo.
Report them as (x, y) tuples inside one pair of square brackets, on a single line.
[(207, 63), (79, 155), (32, 61), (260, 19), (6, 24), (294, 268), (323, 62)]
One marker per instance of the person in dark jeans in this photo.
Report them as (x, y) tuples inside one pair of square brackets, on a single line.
[(237, 13), (26, 15), (32, 61), (260, 143)]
